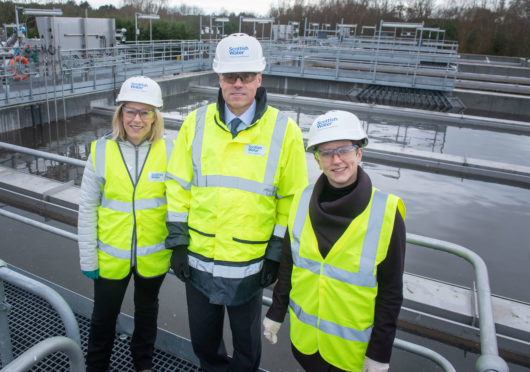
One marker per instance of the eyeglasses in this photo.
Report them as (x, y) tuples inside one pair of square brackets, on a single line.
[(131, 113), (246, 77), (341, 152)]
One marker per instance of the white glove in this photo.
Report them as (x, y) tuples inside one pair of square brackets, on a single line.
[(373, 366), (271, 330)]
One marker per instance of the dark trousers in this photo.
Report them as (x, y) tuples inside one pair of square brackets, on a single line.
[(313, 362), (108, 297), (206, 329)]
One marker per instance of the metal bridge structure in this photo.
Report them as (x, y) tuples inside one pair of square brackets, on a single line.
[(380, 59)]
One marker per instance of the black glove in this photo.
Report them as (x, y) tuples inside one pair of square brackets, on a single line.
[(269, 272), (179, 262)]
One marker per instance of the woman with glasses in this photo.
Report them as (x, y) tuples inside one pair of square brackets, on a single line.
[(121, 226), (341, 271)]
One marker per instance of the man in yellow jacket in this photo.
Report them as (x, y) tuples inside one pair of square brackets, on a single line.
[(231, 179)]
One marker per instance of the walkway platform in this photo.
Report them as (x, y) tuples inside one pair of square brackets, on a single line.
[(32, 320), (439, 310)]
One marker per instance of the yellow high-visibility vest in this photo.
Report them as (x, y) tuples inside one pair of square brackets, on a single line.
[(332, 299), (232, 191), (129, 211)]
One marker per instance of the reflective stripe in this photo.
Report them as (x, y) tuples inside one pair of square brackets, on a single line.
[(302, 316), (235, 183), (206, 266), (196, 147), (364, 277), (299, 220), (141, 204), (185, 185), (373, 233), (116, 205), (125, 254), (177, 217), (275, 148), (148, 249), (266, 187), (113, 251), (99, 160), (236, 272), (125, 207), (306, 263), (169, 148), (279, 231), (225, 271), (331, 328)]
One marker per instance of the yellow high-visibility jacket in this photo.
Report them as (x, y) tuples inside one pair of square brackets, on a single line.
[(332, 300), (131, 217), (232, 195)]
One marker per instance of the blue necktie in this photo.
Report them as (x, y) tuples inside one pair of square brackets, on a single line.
[(233, 126)]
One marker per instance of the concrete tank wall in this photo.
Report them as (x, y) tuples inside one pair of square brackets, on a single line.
[(283, 84), (494, 104), (20, 116), (494, 70)]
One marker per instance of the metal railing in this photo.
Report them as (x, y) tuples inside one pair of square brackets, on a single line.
[(371, 61), (42, 154), (38, 289), (49, 346), (489, 359), (71, 72)]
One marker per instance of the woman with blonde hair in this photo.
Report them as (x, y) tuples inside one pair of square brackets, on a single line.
[(121, 226)]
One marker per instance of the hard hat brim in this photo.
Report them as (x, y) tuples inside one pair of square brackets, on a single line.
[(225, 68)]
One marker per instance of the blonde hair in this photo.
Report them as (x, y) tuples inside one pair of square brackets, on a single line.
[(157, 128)]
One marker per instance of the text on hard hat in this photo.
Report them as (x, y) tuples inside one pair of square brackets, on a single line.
[(326, 123)]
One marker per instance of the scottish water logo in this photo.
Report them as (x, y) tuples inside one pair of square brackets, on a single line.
[(255, 150), (326, 123), (237, 51), (138, 86)]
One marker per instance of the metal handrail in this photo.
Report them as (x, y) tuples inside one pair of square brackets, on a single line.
[(49, 346), (489, 359), (424, 352), (38, 289), (43, 154), (106, 67)]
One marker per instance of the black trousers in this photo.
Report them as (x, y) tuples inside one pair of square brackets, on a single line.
[(206, 329), (313, 362), (108, 297)]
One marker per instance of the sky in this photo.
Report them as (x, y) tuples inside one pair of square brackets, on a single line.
[(259, 7)]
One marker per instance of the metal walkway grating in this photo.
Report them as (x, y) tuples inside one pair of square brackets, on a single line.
[(408, 97), (32, 320)]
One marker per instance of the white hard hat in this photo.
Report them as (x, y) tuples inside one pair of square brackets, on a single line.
[(140, 89), (238, 53), (336, 126)]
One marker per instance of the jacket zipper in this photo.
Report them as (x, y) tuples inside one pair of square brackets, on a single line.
[(133, 240)]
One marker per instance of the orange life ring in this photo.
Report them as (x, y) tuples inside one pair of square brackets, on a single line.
[(18, 59)]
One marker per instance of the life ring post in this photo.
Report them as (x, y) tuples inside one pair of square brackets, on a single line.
[(19, 61)]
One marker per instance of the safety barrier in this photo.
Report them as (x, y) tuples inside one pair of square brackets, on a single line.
[(69, 72), (488, 361), (49, 346), (51, 296)]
